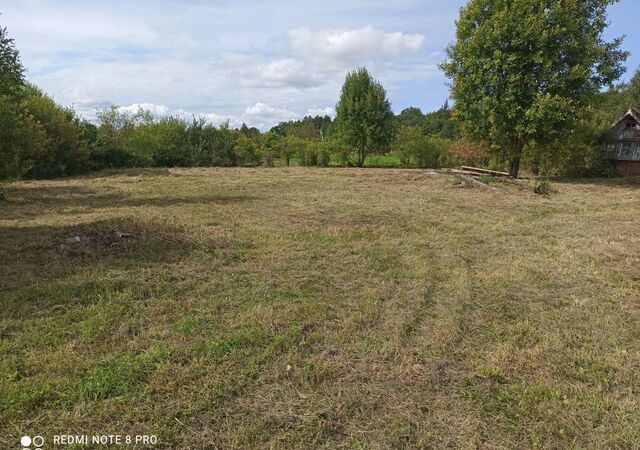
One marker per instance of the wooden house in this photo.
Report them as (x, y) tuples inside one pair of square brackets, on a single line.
[(623, 143)]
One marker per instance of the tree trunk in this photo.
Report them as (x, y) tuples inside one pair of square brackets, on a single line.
[(361, 156), (514, 167)]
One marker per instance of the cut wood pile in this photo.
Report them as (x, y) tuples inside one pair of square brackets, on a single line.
[(478, 172)]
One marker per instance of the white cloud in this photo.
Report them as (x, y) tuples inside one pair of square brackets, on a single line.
[(263, 110), (327, 111), (264, 116), (86, 29), (283, 73), (156, 110), (212, 59), (354, 45), (259, 115)]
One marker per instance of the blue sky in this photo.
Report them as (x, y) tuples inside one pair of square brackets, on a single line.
[(253, 61)]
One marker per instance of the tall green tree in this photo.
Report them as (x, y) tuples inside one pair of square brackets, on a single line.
[(363, 115), (20, 134), (411, 117), (11, 69), (523, 71)]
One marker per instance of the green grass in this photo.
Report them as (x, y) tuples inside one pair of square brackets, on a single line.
[(321, 308)]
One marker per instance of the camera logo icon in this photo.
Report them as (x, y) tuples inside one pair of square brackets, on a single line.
[(27, 441)]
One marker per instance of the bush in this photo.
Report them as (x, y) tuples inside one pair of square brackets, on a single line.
[(105, 155), (22, 138), (414, 149), (468, 153), (113, 147), (324, 153), (313, 152), (344, 155), (246, 150), (269, 148), (169, 145), (125, 140), (290, 145), (542, 187), (63, 151), (308, 153)]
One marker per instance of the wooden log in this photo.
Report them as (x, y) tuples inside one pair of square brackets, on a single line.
[(467, 172), (479, 170)]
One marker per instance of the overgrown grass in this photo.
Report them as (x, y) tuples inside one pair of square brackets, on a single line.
[(305, 308)]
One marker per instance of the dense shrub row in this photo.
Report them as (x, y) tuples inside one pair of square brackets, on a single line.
[(47, 140), (125, 140)]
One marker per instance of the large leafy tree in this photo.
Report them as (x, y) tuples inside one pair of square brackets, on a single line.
[(19, 133), (523, 71), (11, 69), (411, 117), (363, 115)]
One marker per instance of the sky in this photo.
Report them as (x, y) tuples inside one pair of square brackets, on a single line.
[(252, 61)]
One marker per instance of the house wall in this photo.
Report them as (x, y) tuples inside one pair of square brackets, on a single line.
[(623, 143), (628, 168)]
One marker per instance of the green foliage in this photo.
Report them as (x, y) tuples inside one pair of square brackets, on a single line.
[(413, 148), (442, 123), (633, 89), (580, 152), (437, 123), (314, 153), (312, 128), (115, 132), (324, 149), (270, 148), (467, 152), (65, 151), (411, 117), (138, 139), (11, 69), (523, 71), (364, 119), (247, 150), (542, 187), (616, 101), (290, 145), (252, 132), (21, 139), (20, 135), (38, 138)]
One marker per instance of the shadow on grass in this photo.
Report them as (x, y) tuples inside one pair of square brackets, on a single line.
[(41, 267), (134, 172), (618, 182), (130, 237), (29, 201)]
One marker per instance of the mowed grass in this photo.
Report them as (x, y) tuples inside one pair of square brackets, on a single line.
[(321, 308)]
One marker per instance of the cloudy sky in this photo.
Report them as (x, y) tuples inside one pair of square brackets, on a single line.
[(252, 61)]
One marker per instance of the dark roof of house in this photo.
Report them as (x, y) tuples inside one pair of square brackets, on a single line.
[(634, 113)]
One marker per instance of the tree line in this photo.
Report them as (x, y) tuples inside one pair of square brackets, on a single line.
[(41, 139), (526, 78)]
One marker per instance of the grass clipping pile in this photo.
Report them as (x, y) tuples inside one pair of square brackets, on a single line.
[(128, 236)]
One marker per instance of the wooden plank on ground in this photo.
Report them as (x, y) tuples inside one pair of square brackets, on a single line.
[(494, 173)]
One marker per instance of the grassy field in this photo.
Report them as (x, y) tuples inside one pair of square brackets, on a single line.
[(320, 308)]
